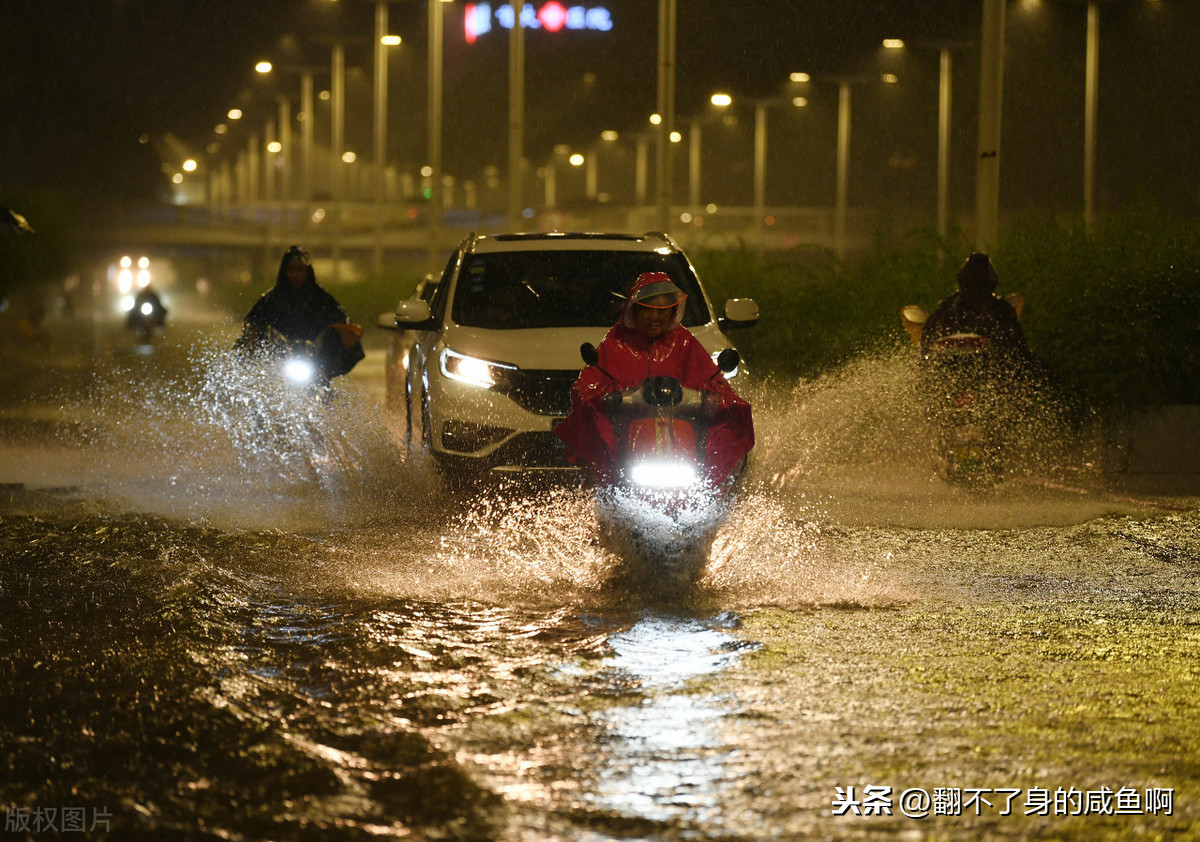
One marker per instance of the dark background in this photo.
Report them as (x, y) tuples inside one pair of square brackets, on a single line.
[(92, 91)]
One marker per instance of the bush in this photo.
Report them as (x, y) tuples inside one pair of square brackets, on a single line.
[(1114, 311)]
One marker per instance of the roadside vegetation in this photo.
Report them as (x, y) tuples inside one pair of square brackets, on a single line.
[(1113, 311)]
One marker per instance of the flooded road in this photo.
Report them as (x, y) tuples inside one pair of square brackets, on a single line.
[(212, 629)]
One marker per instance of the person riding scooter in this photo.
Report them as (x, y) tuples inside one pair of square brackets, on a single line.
[(975, 308), (647, 341), (302, 311)]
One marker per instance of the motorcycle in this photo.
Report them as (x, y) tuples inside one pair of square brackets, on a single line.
[(283, 391), (146, 317), (970, 390), (666, 498)]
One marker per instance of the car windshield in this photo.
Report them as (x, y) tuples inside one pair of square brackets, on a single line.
[(533, 289)]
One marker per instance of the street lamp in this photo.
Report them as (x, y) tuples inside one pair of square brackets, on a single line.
[(664, 173), (841, 208), (991, 86), (719, 100), (1091, 91), (760, 150)]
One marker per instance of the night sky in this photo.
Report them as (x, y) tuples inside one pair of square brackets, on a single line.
[(82, 82)]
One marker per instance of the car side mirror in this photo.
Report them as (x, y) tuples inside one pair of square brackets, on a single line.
[(413, 314), (740, 312)]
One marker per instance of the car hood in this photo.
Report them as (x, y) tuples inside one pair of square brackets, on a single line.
[(548, 348)]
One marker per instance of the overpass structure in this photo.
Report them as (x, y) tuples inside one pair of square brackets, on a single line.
[(364, 229)]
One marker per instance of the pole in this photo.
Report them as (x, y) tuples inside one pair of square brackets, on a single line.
[(285, 160), (843, 168), (306, 144), (991, 85), (639, 172), (694, 166), (381, 91), (664, 173), (760, 170), (516, 116), (435, 128), (1089, 114), (337, 101), (943, 159)]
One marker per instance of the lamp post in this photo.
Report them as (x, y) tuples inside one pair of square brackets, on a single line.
[(718, 100), (516, 115), (664, 172), (945, 82), (991, 85), (1091, 94), (841, 208), (760, 152)]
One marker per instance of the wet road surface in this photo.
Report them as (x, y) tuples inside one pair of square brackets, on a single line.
[(206, 637)]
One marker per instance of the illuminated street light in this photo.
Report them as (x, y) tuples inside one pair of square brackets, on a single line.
[(263, 67), (719, 100)]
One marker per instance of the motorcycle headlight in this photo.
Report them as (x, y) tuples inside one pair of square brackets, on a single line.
[(147, 309), (298, 371), (664, 475), (472, 370)]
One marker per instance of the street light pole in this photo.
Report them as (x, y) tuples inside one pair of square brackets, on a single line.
[(843, 168), (943, 155), (337, 94), (991, 84), (664, 172), (760, 169), (381, 91), (1091, 87), (516, 115), (435, 126)]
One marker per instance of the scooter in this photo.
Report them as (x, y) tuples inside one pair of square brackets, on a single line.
[(665, 501), (968, 391), (146, 318)]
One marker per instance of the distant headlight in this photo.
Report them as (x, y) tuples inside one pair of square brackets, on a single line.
[(147, 309), (664, 475), (471, 370)]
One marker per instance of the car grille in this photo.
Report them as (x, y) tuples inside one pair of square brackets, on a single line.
[(531, 450), (544, 392)]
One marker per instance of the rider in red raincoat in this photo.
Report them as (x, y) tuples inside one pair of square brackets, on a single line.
[(649, 341)]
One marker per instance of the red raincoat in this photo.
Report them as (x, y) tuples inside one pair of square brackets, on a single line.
[(627, 357)]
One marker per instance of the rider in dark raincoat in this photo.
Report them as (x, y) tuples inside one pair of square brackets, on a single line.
[(649, 341), (299, 309), (976, 308)]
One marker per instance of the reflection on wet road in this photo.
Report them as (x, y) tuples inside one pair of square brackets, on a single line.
[(202, 637)]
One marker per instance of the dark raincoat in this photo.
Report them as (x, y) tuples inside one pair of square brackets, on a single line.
[(627, 358), (976, 308), (303, 314)]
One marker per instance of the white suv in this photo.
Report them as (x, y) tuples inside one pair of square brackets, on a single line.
[(496, 347)]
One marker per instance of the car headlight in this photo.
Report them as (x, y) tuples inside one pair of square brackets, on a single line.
[(472, 370), (664, 474)]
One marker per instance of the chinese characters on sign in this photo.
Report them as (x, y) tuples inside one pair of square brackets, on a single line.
[(955, 801), (479, 18)]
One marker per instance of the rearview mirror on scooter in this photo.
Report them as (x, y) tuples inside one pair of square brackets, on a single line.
[(728, 360), (589, 353)]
